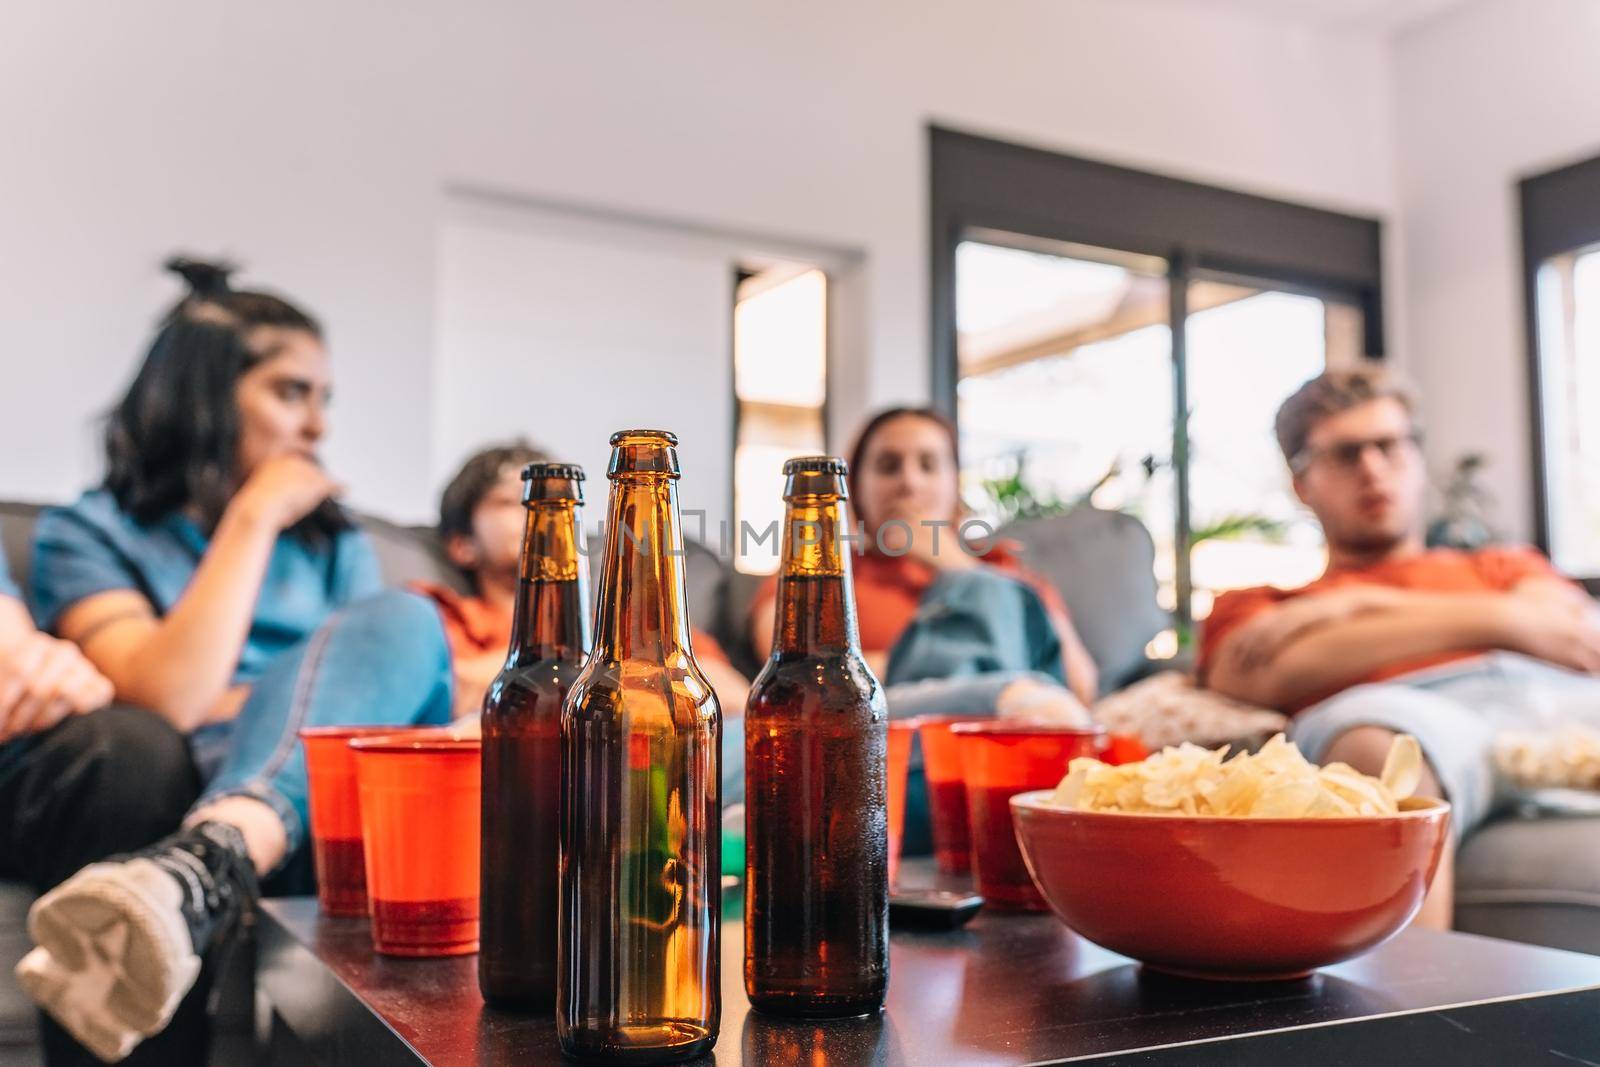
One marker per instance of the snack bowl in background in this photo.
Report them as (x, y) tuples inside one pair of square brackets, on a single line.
[(1228, 898)]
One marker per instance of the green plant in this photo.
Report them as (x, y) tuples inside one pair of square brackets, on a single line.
[(1464, 520), (1012, 498), (1233, 527)]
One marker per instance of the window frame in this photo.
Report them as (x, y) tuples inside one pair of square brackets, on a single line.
[(1560, 214), (978, 185)]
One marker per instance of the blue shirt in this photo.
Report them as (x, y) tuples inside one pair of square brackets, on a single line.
[(92, 547), (7, 586)]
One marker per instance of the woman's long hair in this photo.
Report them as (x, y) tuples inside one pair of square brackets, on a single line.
[(172, 441)]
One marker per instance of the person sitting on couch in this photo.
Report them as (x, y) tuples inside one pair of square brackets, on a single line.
[(80, 781), (1446, 645), (948, 624), (216, 582), (481, 523)]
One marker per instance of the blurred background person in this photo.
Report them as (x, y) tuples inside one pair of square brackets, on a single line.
[(936, 609), (481, 524)]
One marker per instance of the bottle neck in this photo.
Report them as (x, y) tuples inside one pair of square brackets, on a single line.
[(816, 596), (642, 612), (548, 620)]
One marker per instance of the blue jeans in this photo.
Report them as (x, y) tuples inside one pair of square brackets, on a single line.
[(1455, 711), (381, 661)]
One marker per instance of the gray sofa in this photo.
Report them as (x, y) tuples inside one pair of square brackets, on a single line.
[(1536, 881)]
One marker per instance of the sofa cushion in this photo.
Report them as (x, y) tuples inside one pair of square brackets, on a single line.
[(1103, 564), (410, 554), (17, 1021), (16, 537), (1534, 880)]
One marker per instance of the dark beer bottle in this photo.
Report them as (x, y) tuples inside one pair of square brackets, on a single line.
[(816, 917), (522, 747), (641, 830)]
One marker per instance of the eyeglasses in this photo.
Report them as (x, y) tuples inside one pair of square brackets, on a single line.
[(1345, 456)]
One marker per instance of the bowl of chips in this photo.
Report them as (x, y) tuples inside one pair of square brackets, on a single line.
[(1259, 867)]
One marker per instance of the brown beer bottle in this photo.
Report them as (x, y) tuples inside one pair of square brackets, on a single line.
[(816, 919), (522, 747), (641, 829)]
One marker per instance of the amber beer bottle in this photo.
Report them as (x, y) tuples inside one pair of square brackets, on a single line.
[(816, 916), (641, 833), (522, 747)]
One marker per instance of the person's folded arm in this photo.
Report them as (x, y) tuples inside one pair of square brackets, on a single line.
[(1556, 590), (14, 620), (42, 680), (180, 665), (1338, 653)]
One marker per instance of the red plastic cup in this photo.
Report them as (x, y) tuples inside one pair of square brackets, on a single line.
[(947, 791), (899, 764), (1001, 760), (335, 804), (421, 807)]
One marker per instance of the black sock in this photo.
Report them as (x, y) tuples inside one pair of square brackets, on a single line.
[(212, 867)]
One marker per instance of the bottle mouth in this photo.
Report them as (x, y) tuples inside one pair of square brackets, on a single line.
[(553, 491), (644, 437), (643, 453)]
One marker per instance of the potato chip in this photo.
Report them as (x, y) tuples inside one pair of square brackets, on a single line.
[(1402, 767), (1275, 783), (1563, 755), (1288, 800)]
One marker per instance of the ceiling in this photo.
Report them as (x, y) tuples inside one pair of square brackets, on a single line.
[(1390, 15)]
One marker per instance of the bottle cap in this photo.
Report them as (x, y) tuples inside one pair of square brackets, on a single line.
[(818, 464), (535, 471), (552, 481), (815, 476)]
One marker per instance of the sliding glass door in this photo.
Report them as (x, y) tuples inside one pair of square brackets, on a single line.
[(1071, 392), (1115, 338)]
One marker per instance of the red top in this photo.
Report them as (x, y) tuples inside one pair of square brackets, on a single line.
[(890, 588), (474, 626), (1439, 570)]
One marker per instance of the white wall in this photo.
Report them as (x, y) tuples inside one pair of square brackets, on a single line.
[(563, 338), (315, 141), (1485, 95)]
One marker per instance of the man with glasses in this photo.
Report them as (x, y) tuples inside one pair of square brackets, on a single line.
[(1452, 647)]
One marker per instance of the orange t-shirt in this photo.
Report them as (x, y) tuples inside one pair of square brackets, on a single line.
[(1439, 570), (474, 626), (890, 588)]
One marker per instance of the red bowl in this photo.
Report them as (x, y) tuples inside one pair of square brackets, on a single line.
[(1232, 899)]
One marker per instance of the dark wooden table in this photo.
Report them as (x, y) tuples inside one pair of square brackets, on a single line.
[(1007, 989)]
